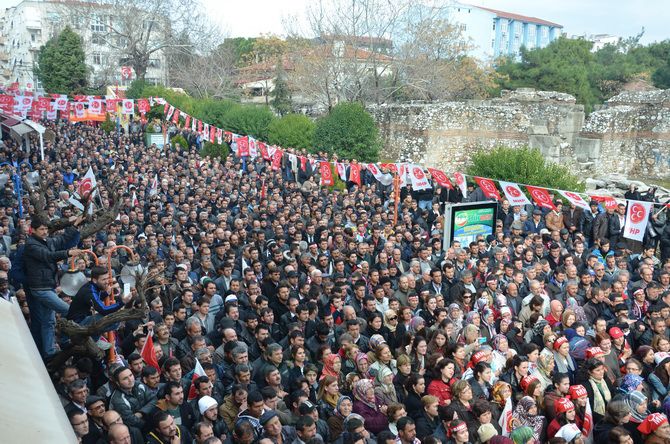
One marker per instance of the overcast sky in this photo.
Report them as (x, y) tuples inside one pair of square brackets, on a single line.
[(247, 18)]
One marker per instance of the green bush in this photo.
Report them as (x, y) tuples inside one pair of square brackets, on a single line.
[(251, 120), (214, 150), (292, 130), (523, 165), (350, 132), (178, 139)]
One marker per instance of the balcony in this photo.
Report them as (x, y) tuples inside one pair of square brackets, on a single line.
[(33, 24)]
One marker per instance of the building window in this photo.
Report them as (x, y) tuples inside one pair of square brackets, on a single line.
[(493, 43), (463, 27), (504, 26), (98, 23), (98, 39), (97, 58), (154, 63), (494, 25)]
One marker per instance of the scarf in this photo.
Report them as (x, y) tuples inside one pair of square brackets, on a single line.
[(633, 400), (601, 395), (329, 366), (520, 417), (337, 407), (361, 392), (563, 364), (332, 400)]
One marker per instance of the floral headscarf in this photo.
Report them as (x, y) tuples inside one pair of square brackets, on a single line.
[(629, 383), (496, 341), (416, 324), (339, 403), (633, 400), (363, 357), (497, 392), (521, 417), (361, 393)]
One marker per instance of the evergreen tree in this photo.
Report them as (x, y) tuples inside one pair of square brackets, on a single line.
[(281, 94), (62, 64)]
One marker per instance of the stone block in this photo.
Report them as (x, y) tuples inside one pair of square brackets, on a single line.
[(549, 146), (587, 149)]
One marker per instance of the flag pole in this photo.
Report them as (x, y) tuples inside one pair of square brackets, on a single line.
[(396, 197)]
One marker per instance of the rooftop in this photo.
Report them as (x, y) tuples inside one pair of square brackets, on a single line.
[(518, 17)]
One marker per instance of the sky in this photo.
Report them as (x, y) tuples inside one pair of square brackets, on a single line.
[(624, 18)]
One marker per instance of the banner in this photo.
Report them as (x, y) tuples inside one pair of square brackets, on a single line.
[(326, 174), (264, 151), (128, 106), (242, 147), (95, 106), (440, 178), (355, 173), (79, 111), (513, 193), (52, 113), (384, 178), (276, 159), (541, 197), (143, 106), (462, 184), (42, 104), (6, 103), (341, 170), (175, 117), (488, 188), (506, 418), (61, 102), (637, 215), (575, 199), (187, 120), (607, 201), (418, 178)]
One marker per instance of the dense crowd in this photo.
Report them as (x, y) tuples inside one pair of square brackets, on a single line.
[(308, 316)]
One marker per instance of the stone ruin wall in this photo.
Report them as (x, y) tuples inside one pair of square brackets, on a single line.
[(630, 135)]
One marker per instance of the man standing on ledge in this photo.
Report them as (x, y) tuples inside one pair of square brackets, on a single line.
[(41, 255)]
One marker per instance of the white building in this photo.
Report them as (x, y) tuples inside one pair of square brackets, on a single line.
[(601, 40), (26, 27), (493, 33)]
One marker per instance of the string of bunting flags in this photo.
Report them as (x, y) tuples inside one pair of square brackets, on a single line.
[(86, 107), (638, 212)]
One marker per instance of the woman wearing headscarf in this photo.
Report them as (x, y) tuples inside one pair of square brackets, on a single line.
[(468, 339), (578, 310), (526, 415), (366, 405), (555, 315), (336, 421), (659, 379), (455, 315), (395, 328), (384, 388), (363, 366), (637, 403), (501, 353), (543, 371), (488, 327), (332, 364), (536, 334)]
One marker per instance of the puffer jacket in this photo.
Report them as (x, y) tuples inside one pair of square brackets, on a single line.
[(40, 258)]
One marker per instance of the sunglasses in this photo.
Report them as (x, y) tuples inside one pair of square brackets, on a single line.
[(394, 318)]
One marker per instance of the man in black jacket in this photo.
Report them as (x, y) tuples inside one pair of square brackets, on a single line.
[(41, 255), (93, 295)]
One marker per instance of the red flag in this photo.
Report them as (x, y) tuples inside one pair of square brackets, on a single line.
[(264, 151), (326, 174), (441, 178), (165, 110), (148, 353), (175, 116), (488, 187), (143, 106), (276, 159), (243, 146), (199, 125), (264, 189), (303, 163), (541, 197), (198, 371), (355, 173), (187, 122), (607, 201)]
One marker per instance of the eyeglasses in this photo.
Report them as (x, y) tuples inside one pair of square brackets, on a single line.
[(394, 318)]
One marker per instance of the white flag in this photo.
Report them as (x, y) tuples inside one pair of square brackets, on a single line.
[(95, 106), (253, 147), (418, 178), (154, 185), (514, 194), (79, 111), (341, 170), (505, 420), (402, 173), (52, 114), (384, 179), (575, 199), (637, 216), (88, 184), (462, 184)]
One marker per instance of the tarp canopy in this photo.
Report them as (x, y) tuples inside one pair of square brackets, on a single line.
[(36, 126)]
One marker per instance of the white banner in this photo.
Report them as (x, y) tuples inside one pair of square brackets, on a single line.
[(513, 193), (637, 216), (95, 106), (79, 109), (61, 103), (341, 170), (128, 106), (575, 199), (51, 111), (402, 173), (418, 178)]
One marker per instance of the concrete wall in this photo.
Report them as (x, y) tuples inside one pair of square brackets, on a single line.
[(629, 135)]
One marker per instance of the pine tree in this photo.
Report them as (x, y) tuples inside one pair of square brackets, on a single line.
[(281, 94), (62, 64)]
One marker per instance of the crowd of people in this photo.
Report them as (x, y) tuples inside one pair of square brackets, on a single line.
[(286, 312)]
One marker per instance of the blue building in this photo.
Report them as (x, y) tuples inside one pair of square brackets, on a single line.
[(493, 33)]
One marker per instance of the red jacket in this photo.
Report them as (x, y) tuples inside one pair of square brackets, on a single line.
[(441, 390)]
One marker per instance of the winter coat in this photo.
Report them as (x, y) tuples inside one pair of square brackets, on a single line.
[(129, 403), (40, 258), (375, 421)]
